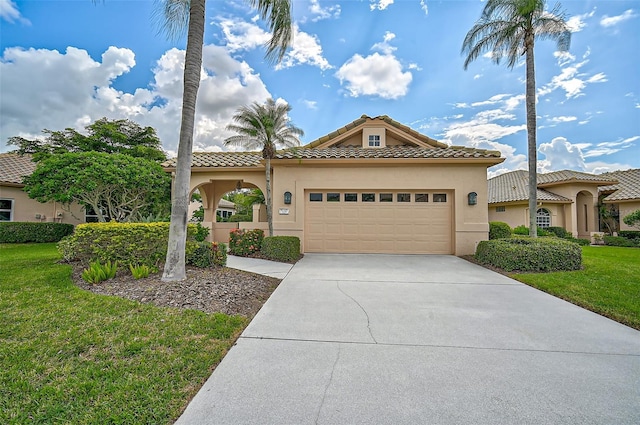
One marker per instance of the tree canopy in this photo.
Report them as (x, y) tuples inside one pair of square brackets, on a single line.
[(104, 135), (117, 187)]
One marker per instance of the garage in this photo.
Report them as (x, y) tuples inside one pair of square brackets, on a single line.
[(379, 221)]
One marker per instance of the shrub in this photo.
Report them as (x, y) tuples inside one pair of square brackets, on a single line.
[(581, 242), (632, 219), (529, 254), (201, 232), (136, 243), (245, 242), (524, 231), (619, 241), (23, 232), (207, 254), (560, 232), (98, 272), (630, 234), (281, 248), (240, 217), (139, 271), (499, 230)]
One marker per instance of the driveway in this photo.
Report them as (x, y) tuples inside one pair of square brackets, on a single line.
[(400, 339)]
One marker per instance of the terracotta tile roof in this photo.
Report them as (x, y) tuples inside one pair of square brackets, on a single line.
[(13, 167), (514, 186), (627, 188), (565, 176), (220, 159), (385, 118), (358, 152)]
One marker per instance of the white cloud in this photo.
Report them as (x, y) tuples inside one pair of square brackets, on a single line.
[(319, 13), (47, 89), (305, 50), (571, 80), (10, 13), (384, 46), (577, 23), (560, 154), (424, 7), (477, 76), (562, 119), (310, 104), (611, 21), (374, 75), (380, 4), (241, 35)]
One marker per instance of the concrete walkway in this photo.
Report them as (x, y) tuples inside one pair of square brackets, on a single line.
[(258, 266), (384, 339)]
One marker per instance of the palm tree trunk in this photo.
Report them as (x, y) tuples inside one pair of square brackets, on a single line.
[(531, 134), (174, 268), (268, 195)]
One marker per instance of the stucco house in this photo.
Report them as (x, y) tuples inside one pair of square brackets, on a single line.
[(372, 186), (624, 195), (566, 199), (15, 204)]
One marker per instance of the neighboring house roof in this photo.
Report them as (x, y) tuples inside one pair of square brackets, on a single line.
[(14, 167), (569, 176), (514, 186), (226, 204), (416, 146), (627, 188)]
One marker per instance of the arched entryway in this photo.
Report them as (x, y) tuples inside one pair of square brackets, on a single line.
[(585, 217)]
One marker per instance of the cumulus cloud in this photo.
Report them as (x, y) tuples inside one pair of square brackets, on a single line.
[(577, 23), (384, 46), (48, 89), (10, 13), (374, 75), (305, 50), (319, 13), (560, 154), (612, 21), (242, 35), (380, 4)]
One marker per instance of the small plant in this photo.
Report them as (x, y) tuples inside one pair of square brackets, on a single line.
[(98, 272), (245, 242), (499, 230), (201, 232), (139, 271), (207, 254)]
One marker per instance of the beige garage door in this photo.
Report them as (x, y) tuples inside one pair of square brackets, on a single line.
[(400, 222)]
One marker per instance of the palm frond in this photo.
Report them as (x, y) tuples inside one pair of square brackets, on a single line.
[(278, 16), (171, 17)]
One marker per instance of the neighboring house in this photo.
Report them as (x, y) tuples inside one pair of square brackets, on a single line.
[(373, 186), (15, 204), (225, 208), (566, 199), (624, 195)]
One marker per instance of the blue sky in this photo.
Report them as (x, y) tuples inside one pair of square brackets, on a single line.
[(68, 63)]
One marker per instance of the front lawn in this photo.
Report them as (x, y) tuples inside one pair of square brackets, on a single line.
[(70, 356), (609, 283)]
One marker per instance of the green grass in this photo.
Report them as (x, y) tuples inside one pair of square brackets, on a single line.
[(70, 356), (608, 284)]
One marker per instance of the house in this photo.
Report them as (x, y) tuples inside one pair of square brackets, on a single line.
[(565, 198), (372, 186), (15, 204), (225, 208), (623, 196)]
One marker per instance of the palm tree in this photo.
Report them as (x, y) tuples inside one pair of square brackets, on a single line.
[(508, 29), (264, 127), (178, 15)]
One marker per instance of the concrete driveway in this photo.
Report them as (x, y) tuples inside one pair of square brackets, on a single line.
[(398, 339)]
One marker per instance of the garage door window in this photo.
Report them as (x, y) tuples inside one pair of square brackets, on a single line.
[(422, 197), (350, 197), (404, 197), (439, 197), (315, 197), (386, 197), (333, 197), (368, 197)]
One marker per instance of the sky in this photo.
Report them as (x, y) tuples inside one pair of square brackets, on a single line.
[(68, 63)]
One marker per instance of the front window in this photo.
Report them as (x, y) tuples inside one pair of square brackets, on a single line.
[(374, 141), (543, 218), (6, 209), (90, 215)]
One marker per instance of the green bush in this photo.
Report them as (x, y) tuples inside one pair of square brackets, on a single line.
[(201, 232), (281, 248), (581, 242), (240, 217), (135, 243), (499, 230), (530, 254), (24, 232), (523, 230), (560, 232), (619, 241), (207, 254), (630, 234), (98, 272), (245, 242)]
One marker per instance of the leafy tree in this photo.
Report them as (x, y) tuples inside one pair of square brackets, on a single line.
[(117, 187), (508, 29), (104, 135), (178, 15), (264, 127), (633, 219)]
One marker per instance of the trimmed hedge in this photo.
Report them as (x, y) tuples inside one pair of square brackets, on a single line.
[(499, 230), (135, 243), (281, 248), (523, 230), (620, 241), (245, 242), (207, 254), (629, 234), (24, 232), (530, 254), (560, 232)]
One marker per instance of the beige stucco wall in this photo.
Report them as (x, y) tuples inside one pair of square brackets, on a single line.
[(470, 223), (25, 208), (517, 214), (625, 209)]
